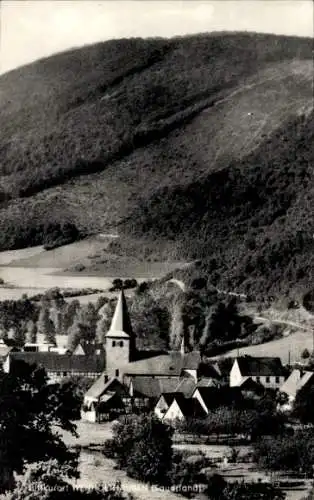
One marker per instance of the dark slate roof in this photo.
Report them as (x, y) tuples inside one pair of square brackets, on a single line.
[(190, 407), (250, 365), (54, 362), (170, 396), (249, 384), (222, 396), (166, 364), (153, 387), (224, 365), (102, 385)]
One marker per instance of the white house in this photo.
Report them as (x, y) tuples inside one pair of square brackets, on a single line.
[(296, 381), (269, 372), (182, 408)]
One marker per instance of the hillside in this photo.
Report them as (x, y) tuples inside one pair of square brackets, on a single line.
[(196, 148)]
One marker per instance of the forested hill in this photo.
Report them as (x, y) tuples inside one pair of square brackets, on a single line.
[(202, 145)]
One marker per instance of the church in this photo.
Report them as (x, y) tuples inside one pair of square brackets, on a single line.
[(132, 378)]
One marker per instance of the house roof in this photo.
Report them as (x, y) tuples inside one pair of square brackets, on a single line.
[(54, 362), (172, 363), (223, 366), (208, 382), (222, 396), (296, 381), (186, 386), (170, 396), (248, 384), (250, 365), (121, 324), (190, 407), (153, 387), (102, 386)]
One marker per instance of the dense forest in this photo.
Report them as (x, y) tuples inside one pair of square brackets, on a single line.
[(194, 148)]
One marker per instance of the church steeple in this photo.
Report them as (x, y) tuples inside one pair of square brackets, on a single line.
[(121, 320), (119, 340)]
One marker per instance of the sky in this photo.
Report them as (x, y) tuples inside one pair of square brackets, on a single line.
[(32, 29)]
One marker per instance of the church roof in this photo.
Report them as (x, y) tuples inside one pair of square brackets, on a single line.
[(165, 364), (121, 324)]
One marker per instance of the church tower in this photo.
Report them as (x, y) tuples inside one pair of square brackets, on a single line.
[(119, 340)]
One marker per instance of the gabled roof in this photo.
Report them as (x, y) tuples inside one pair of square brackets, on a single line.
[(153, 387), (186, 386), (248, 384), (250, 365), (190, 407), (222, 396), (208, 382), (54, 362), (121, 324), (170, 396), (296, 381), (165, 364), (101, 386)]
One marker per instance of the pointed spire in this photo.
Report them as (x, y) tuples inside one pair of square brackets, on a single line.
[(121, 322), (182, 347)]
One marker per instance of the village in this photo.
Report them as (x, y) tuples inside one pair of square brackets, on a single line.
[(175, 385)]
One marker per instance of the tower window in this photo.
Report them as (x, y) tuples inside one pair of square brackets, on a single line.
[(117, 373), (121, 343), (113, 343)]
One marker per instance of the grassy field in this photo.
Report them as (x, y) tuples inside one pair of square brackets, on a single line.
[(288, 348)]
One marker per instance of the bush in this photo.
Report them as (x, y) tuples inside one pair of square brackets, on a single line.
[(305, 354)]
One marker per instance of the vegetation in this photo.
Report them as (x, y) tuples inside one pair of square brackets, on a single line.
[(219, 489), (142, 445), (48, 481), (156, 107), (289, 453), (29, 410)]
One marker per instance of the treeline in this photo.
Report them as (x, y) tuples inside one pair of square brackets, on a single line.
[(161, 317)]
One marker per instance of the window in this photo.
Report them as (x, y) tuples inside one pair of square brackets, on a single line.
[(113, 343), (117, 373), (258, 379), (277, 380), (65, 374), (121, 343), (267, 380)]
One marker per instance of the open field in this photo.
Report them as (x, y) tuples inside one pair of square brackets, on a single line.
[(290, 346)]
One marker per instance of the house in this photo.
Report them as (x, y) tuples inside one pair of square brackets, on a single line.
[(251, 388), (267, 371), (105, 399), (57, 366), (164, 402), (213, 397), (296, 381), (182, 408)]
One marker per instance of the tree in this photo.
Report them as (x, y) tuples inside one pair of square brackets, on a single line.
[(30, 410), (219, 489), (49, 481), (305, 354), (303, 404), (45, 325), (286, 452), (31, 334), (69, 314), (143, 447)]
